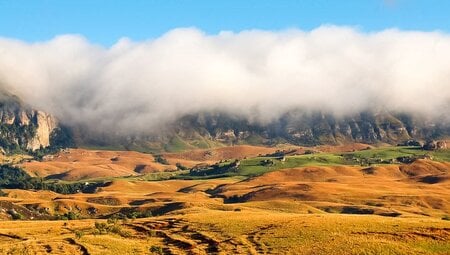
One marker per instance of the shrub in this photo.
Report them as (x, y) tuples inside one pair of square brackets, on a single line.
[(101, 228), (16, 216), (160, 159), (111, 226), (155, 249), (78, 234), (72, 216), (180, 166)]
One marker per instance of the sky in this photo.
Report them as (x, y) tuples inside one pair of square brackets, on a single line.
[(133, 66), (106, 21)]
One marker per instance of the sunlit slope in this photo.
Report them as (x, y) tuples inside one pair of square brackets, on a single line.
[(226, 232)]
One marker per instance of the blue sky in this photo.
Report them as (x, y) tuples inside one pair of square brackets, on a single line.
[(105, 21)]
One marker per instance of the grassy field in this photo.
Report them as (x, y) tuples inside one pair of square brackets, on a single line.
[(230, 232), (387, 153), (255, 166), (372, 157), (329, 202)]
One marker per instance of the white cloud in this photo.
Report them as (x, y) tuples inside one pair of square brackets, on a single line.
[(137, 86)]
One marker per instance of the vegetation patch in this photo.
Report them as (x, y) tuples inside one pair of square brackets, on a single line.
[(15, 178)]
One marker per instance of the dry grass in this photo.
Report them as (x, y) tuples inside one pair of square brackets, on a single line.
[(77, 164), (80, 164), (383, 190), (384, 209), (14, 159), (234, 232)]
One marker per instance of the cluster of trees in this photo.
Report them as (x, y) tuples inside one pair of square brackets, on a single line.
[(68, 216), (216, 169), (130, 214), (160, 159), (15, 178)]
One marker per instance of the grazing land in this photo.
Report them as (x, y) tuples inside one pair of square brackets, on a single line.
[(353, 199), (249, 231)]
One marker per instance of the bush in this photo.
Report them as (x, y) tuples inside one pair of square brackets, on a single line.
[(180, 166), (160, 159), (72, 216), (78, 234), (156, 249), (68, 216), (137, 214), (15, 215), (111, 226), (101, 228)]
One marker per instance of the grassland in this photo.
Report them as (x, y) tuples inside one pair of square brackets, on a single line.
[(255, 166), (232, 232), (368, 157), (385, 155), (273, 201)]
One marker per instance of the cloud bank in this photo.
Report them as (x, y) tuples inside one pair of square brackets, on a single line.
[(138, 86)]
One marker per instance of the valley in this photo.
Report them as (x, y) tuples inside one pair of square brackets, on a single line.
[(349, 199)]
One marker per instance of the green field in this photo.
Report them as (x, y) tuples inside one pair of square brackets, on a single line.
[(377, 156)]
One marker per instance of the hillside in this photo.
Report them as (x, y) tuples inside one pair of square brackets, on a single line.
[(225, 232), (339, 209), (351, 199), (207, 130), (368, 181)]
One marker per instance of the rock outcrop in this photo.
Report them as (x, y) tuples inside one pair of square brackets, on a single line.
[(45, 125), (435, 145), (317, 128), (23, 128)]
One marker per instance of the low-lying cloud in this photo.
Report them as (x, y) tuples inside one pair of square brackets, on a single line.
[(137, 86)]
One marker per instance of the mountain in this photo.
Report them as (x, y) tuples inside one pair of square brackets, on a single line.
[(205, 130), (23, 129)]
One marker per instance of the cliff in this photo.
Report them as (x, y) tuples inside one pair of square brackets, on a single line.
[(204, 130), (23, 129)]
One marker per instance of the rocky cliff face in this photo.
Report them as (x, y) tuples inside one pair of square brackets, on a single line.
[(45, 125), (23, 128), (211, 129), (313, 128)]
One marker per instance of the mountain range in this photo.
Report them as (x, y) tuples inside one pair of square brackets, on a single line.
[(23, 128)]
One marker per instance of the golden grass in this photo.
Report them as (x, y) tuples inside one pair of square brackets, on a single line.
[(14, 159), (304, 210), (79, 164), (76, 164), (234, 232), (380, 190)]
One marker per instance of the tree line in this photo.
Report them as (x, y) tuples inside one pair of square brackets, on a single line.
[(15, 178)]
